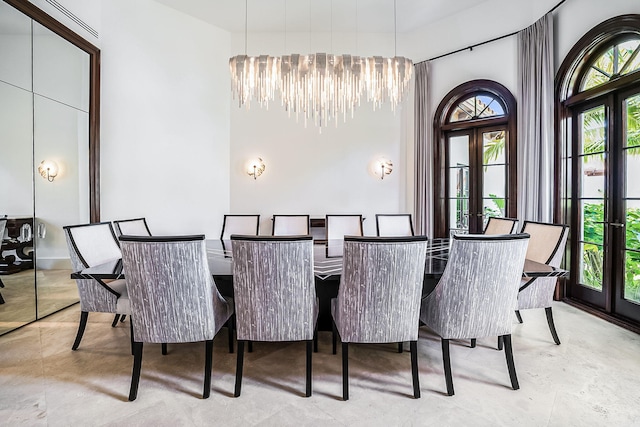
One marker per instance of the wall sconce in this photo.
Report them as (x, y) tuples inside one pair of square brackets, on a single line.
[(48, 169), (255, 168), (382, 167)]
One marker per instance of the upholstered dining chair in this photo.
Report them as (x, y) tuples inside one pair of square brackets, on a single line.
[(290, 225), (476, 294), (173, 297), (379, 296), (338, 226), (240, 224), (3, 225), (496, 225), (132, 227), (90, 245), (546, 246), (393, 225), (274, 293)]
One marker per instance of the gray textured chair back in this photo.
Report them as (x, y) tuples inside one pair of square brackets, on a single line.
[(274, 287), (380, 289), (132, 227), (173, 297), (240, 224), (290, 225), (497, 225), (339, 226), (477, 291), (389, 225), (3, 226)]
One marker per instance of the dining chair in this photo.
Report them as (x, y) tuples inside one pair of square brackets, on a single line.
[(90, 245), (496, 225), (3, 225), (379, 296), (390, 225), (240, 224), (274, 293), (476, 294), (173, 297), (547, 246), (290, 225), (132, 227), (338, 226)]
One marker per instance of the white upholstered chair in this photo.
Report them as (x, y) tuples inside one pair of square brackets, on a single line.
[(274, 294), (240, 224), (90, 245), (393, 225), (132, 227), (173, 297), (290, 225), (496, 225), (547, 246), (379, 296), (339, 226), (476, 294)]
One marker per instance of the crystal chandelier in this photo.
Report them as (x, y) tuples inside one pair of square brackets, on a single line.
[(321, 87)]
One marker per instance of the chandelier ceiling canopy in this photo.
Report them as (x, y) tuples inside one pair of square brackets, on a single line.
[(321, 87)]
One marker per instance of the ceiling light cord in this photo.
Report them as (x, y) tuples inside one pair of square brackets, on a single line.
[(395, 30), (246, 14)]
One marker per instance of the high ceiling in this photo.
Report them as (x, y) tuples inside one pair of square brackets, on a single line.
[(320, 15)]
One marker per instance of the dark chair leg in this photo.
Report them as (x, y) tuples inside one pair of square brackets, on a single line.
[(473, 343), (309, 356), (1, 299), (334, 336), (250, 346), (230, 327), (345, 371), (552, 326), (446, 358), (131, 332), (208, 364), (84, 315), (315, 339), (400, 347), (518, 316), (413, 345), (164, 348), (137, 366), (508, 352), (115, 321), (239, 365), (122, 317), (500, 342)]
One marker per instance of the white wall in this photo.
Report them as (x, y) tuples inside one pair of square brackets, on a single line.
[(165, 118)]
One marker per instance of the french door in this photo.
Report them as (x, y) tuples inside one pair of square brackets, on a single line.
[(606, 203), (477, 177)]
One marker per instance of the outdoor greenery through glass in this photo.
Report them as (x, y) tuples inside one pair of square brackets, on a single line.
[(618, 60)]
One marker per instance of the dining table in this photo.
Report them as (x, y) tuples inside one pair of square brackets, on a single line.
[(327, 266)]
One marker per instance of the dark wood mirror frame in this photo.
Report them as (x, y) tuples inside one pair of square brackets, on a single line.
[(94, 94)]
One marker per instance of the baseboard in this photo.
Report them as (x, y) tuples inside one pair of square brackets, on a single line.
[(616, 320)]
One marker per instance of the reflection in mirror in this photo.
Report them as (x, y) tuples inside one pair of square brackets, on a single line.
[(60, 135), (15, 47), (16, 202)]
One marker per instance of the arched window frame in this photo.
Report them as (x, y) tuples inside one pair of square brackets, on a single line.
[(442, 126)]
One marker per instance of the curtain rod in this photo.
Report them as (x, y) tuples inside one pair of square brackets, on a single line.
[(484, 42)]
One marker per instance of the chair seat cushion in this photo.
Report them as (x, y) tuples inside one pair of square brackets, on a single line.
[(122, 305)]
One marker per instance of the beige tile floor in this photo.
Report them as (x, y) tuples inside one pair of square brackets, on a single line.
[(591, 379)]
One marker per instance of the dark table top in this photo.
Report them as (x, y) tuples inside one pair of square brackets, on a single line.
[(327, 262)]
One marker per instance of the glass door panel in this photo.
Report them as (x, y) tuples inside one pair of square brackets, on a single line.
[(494, 175), (458, 175)]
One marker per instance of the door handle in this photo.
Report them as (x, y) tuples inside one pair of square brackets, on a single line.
[(616, 224)]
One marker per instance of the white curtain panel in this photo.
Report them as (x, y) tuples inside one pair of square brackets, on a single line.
[(423, 134), (535, 121)]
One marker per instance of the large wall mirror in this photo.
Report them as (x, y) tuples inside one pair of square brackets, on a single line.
[(49, 158)]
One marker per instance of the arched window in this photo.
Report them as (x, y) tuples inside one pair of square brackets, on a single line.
[(475, 157), (598, 132)]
